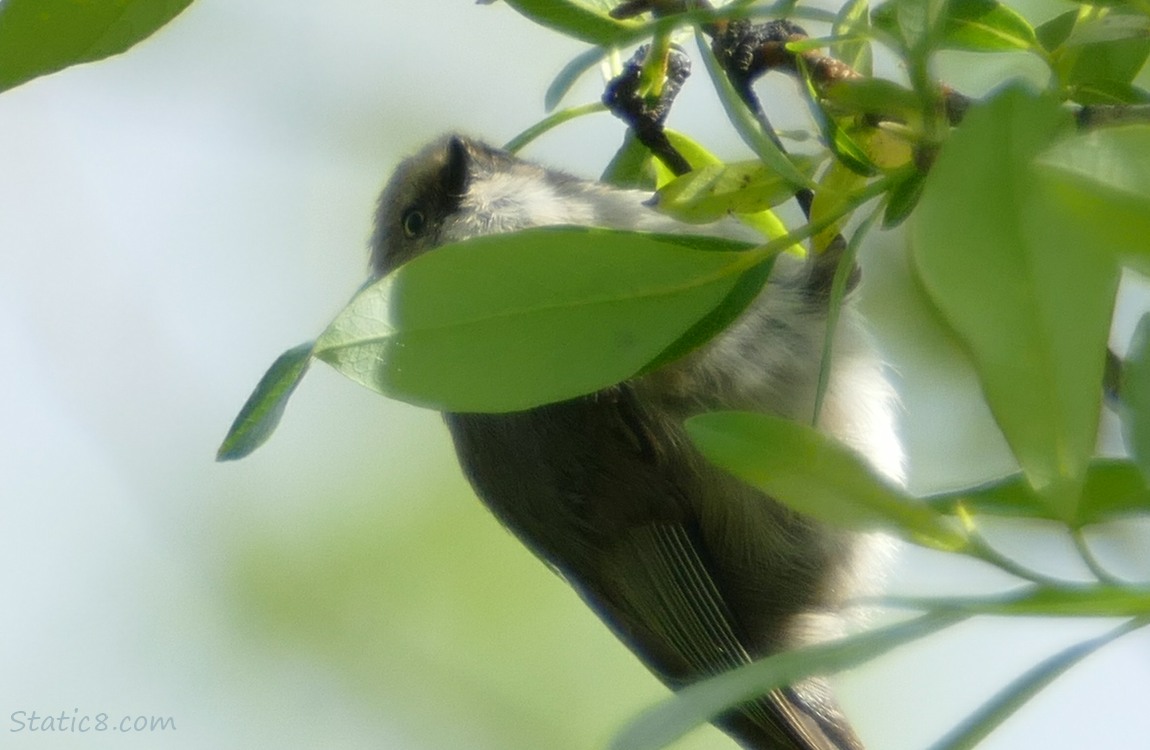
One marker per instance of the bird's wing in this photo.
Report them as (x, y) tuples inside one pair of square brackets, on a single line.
[(676, 618)]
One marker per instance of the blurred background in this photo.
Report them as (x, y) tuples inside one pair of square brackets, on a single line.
[(172, 219)]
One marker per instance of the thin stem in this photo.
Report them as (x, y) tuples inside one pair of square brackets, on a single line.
[(978, 548), (1092, 562), (843, 272)]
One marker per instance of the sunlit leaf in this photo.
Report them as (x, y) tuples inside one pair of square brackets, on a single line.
[(575, 19), (38, 37), (508, 322), (666, 722), (815, 475), (1028, 290), (998, 709), (715, 191), (262, 412), (986, 26)]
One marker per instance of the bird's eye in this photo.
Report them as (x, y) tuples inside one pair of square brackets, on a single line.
[(414, 222)]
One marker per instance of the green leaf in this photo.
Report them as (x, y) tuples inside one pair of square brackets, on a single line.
[(853, 19), (815, 475), (998, 709), (631, 165), (1029, 291), (508, 322), (1135, 392), (1054, 33), (873, 96), (749, 128), (903, 198), (840, 142), (986, 26), (696, 704), (1113, 489), (1105, 50), (261, 413), (1083, 601), (1100, 181), (38, 37), (575, 19), (571, 73), (715, 191), (1108, 92)]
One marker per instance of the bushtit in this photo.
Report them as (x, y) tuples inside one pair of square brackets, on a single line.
[(695, 571)]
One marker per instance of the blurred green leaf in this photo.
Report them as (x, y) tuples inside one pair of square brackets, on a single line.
[(840, 142), (1135, 392), (1104, 51), (715, 191), (576, 19), (1054, 33), (696, 704), (873, 96), (261, 413), (571, 73), (986, 26), (1100, 181), (815, 475), (998, 709), (508, 322), (902, 199), (1108, 92), (1068, 600), (1029, 291), (853, 19), (1113, 489), (1073, 601), (38, 37)]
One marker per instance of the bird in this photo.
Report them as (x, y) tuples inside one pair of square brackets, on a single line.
[(695, 571)]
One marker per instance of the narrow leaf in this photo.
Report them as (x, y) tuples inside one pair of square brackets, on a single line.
[(508, 322), (998, 709), (815, 475), (1135, 392), (38, 37), (854, 19), (575, 19), (666, 722), (261, 413), (1113, 489), (571, 73), (749, 128)]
